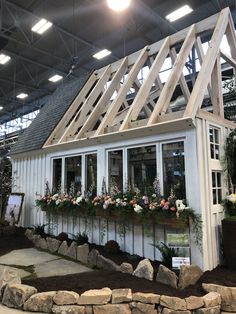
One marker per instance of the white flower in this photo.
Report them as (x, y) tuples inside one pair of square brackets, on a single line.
[(180, 205), (55, 196), (58, 202), (138, 209), (79, 199), (232, 198)]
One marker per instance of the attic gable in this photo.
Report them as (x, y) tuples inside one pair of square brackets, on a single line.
[(115, 99)]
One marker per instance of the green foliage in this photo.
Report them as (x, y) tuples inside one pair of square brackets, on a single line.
[(166, 252), (112, 247), (5, 184), (40, 229), (63, 236), (230, 157), (80, 238)]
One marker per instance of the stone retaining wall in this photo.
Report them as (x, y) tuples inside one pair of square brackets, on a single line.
[(118, 301)]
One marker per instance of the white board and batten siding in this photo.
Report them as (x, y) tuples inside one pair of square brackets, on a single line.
[(32, 172)]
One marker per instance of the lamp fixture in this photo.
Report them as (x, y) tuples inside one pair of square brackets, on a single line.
[(4, 58), (1, 107), (102, 54), (55, 78), (118, 5), (177, 14), (41, 26), (22, 95)]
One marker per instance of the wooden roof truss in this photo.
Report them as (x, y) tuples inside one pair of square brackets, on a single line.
[(114, 99)]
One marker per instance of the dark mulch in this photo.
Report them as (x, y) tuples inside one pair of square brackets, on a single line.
[(99, 279)]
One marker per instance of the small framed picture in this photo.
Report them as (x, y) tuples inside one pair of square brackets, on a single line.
[(14, 207)]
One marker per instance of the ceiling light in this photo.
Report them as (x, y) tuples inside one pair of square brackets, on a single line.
[(4, 58), (22, 96), (41, 26), (118, 5), (1, 107), (177, 14), (55, 78), (102, 54)]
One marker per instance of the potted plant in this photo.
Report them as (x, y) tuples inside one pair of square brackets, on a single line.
[(229, 204)]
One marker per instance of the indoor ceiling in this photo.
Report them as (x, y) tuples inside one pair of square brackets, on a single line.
[(80, 29)]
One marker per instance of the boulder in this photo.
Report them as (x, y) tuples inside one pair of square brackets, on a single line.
[(228, 296), (63, 248), (68, 309), (41, 244), (53, 244), (211, 299), (140, 308), (72, 250), (189, 275), (151, 298), (35, 238), (126, 268), (121, 295), (9, 276), (112, 309), (144, 270), (106, 263), (96, 296), (82, 253), (29, 234), (15, 295), (173, 303), (209, 310), (92, 258), (194, 303), (40, 302), (65, 297), (169, 311), (166, 276)]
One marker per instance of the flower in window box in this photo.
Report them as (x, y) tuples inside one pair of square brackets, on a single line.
[(138, 209)]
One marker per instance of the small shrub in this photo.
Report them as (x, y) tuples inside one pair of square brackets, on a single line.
[(80, 238), (167, 253), (63, 236), (112, 247), (40, 229)]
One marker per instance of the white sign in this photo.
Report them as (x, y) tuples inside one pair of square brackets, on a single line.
[(178, 261)]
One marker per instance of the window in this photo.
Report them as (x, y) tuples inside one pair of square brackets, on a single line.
[(214, 143), (56, 179), (174, 169), (142, 168), (73, 174), (91, 173), (216, 187), (115, 169)]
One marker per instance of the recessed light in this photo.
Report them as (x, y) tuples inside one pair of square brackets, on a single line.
[(22, 95), (177, 14), (55, 78), (4, 58), (41, 26), (118, 5), (102, 54)]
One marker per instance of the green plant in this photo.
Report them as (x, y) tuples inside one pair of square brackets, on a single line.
[(112, 247), (80, 238), (5, 184), (166, 252), (40, 229), (230, 158)]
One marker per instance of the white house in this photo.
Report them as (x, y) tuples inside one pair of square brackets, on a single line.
[(128, 123)]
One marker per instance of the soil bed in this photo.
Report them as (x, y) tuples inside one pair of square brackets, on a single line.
[(99, 278)]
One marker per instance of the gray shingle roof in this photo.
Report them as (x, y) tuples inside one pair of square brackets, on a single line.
[(39, 130)]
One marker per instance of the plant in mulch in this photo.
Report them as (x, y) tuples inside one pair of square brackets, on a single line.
[(40, 229), (80, 238), (166, 252), (112, 247), (63, 236)]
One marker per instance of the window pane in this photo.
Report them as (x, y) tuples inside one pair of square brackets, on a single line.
[(216, 133), (73, 174), (91, 173), (219, 196), (217, 155), (142, 168), (218, 179), (212, 151), (56, 181), (214, 197), (211, 135), (213, 179), (174, 169), (115, 169)]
